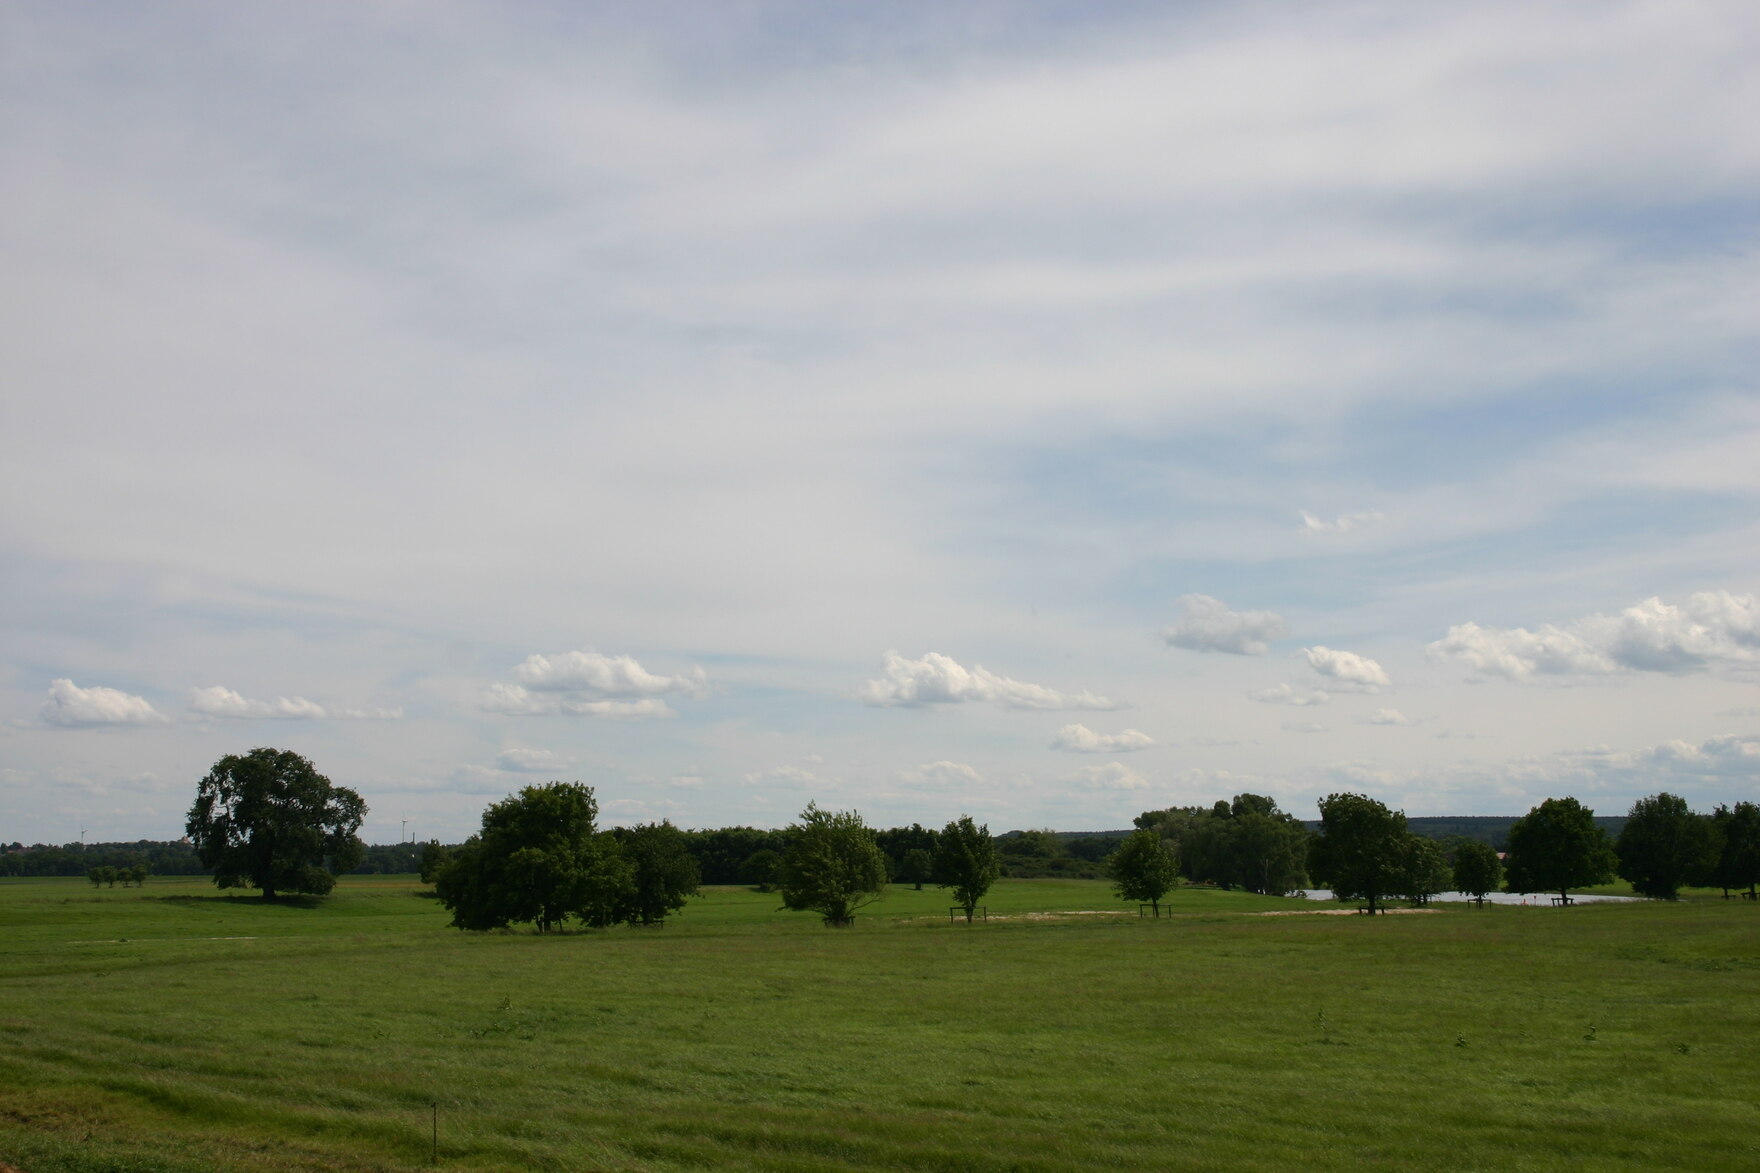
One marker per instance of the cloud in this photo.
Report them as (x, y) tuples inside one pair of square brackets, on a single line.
[(941, 774), (223, 702), (940, 680), (1709, 628), (530, 761), (1305, 727), (791, 777), (71, 706), (520, 702), (1348, 669), (589, 684), (1338, 525), (1207, 625), (1081, 739), (1111, 776), (1388, 717), (599, 675), (1284, 694)]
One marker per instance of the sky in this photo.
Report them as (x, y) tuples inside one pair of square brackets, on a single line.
[(1043, 411)]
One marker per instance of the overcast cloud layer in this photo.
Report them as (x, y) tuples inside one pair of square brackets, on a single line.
[(731, 406)]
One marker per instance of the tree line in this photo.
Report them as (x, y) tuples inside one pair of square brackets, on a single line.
[(268, 820)]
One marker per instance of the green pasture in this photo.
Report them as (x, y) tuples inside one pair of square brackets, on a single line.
[(175, 1028)]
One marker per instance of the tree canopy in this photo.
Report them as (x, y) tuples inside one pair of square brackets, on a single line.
[(1736, 835), (267, 819), (539, 859), (1144, 869), (966, 862), (1477, 870), (1663, 845), (1361, 850), (1247, 843), (832, 866), (1555, 847)]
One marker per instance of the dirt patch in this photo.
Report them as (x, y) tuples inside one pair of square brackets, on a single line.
[(1338, 912)]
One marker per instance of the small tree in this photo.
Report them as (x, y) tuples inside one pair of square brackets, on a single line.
[(759, 869), (832, 866), (1424, 870), (1477, 870), (664, 873), (966, 861), (434, 857), (1556, 847), (1144, 869), (1360, 853), (915, 867), (269, 820), (1662, 844)]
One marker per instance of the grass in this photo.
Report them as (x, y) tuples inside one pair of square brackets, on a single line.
[(172, 1029)]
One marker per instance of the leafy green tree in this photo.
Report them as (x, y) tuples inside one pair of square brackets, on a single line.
[(916, 867), (966, 861), (537, 860), (1737, 836), (759, 869), (663, 872), (1555, 847), (833, 866), (1424, 869), (269, 820), (1477, 870), (434, 857), (1144, 869), (1360, 852), (1662, 844), (99, 876)]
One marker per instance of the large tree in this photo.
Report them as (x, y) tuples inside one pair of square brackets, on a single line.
[(1361, 850), (1737, 836), (663, 873), (267, 819), (1662, 845), (1556, 847), (539, 860), (1144, 869), (966, 861), (832, 866)]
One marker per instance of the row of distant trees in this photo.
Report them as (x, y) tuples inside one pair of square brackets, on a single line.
[(107, 876), (1364, 851)]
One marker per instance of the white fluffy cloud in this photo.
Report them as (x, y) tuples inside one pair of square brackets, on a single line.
[(1388, 717), (1111, 776), (223, 702), (520, 702), (530, 761), (790, 777), (589, 684), (940, 680), (1709, 628), (1207, 625), (1348, 669), (1284, 694), (941, 774), (72, 706), (1081, 739), (603, 676)]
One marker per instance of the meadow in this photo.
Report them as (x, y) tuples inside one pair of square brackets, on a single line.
[(173, 1028)]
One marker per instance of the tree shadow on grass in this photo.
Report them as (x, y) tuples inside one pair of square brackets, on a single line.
[(292, 900)]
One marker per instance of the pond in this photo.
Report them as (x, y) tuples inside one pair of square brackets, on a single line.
[(1543, 899)]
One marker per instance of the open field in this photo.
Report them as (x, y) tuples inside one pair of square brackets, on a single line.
[(172, 1028)]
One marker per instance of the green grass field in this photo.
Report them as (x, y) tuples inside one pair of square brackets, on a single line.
[(174, 1028)]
